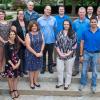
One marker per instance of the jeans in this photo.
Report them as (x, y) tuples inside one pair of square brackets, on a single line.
[(94, 60), (76, 63)]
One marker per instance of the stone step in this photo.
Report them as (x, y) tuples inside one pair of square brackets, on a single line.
[(48, 89), (47, 77)]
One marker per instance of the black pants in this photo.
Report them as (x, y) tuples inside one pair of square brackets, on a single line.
[(22, 57), (48, 48)]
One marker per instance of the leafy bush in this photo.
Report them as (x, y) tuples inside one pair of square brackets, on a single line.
[(8, 17), (18, 5), (2, 6)]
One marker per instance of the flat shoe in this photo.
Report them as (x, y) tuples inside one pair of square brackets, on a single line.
[(58, 86), (37, 85), (32, 87), (65, 88)]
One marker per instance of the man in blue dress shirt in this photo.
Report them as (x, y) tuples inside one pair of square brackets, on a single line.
[(48, 27)]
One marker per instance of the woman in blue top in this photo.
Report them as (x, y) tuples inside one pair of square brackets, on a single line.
[(35, 45)]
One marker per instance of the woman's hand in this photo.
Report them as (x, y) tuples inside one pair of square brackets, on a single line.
[(14, 67), (39, 54), (62, 55), (68, 53)]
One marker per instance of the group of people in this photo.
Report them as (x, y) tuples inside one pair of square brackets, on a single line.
[(25, 42)]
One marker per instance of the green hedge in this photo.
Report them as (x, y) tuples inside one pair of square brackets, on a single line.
[(8, 17)]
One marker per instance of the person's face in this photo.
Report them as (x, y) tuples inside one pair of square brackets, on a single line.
[(61, 10), (13, 28), (93, 23), (20, 15), (34, 28), (90, 10), (12, 36), (66, 25), (81, 13), (2, 16), (30, 7), (47, 11), (98, 12)]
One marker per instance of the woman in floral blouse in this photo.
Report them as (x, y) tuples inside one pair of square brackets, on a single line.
[(66, 46), (12, 63), (4, 30)]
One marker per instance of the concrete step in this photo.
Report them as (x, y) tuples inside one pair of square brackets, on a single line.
[(47, 77), (48, 89)]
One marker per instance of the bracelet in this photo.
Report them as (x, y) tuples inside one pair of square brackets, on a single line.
[(81, 55)]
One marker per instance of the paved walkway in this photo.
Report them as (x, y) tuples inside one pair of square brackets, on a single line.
[(32, 97)]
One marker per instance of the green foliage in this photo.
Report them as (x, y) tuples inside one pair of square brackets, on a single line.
[(2, 6), (88, 2), (8, 17), (39, 8), (18, 5)]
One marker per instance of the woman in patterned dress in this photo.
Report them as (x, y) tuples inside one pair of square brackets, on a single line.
[(4, 29), (35, 45), (66, 47), (12, 63)]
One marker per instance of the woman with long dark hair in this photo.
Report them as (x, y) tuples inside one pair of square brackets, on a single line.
[(21, 28), (65, 46), (12, 63)]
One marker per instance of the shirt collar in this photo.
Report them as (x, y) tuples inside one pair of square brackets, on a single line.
[(82, 20), (29, 11), (44, 17), (96, 30), (61, 17)]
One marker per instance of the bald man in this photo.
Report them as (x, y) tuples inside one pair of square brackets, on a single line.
[(48, 27)]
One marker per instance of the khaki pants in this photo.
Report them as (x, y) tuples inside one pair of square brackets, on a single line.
[(67, 65)]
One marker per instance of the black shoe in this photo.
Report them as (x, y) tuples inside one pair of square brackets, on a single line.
[(51, 71), (37, 85), (54, 64), (32, 87), (21, 74), (25, 73), (42, 71), (75, 73), (58, 86), (65, 88)]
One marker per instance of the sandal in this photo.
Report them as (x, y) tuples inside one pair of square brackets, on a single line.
[(12, 94), (16, 93)]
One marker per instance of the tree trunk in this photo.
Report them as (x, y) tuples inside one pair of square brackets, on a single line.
[(98, 3), (74, 4), (41, 2), (64, 2)]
